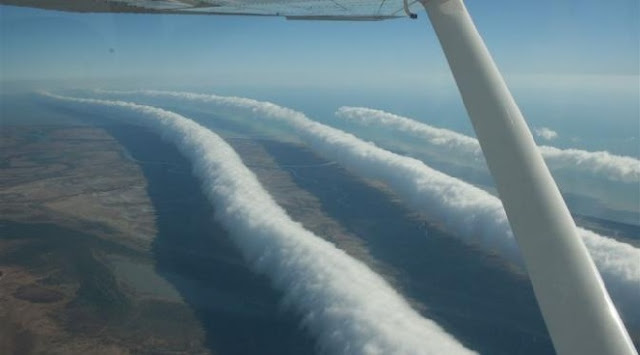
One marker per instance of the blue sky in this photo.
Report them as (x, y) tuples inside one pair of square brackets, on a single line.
[(541, 37), (566, 61)]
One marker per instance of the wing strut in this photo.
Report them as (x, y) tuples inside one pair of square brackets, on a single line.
[(575, 304)]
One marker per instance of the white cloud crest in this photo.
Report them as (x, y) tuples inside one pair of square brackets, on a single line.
[(347, 306), (469, 213), (602, 164), (546, 133)]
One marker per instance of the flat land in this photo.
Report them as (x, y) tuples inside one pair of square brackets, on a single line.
[(79, 177), (75, 219)]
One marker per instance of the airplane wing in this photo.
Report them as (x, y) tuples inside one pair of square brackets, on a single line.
[(358, 10)]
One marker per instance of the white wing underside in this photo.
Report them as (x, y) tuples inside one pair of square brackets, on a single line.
[(364, 10)]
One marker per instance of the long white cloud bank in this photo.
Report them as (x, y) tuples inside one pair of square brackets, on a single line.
[(602, 164), (469, 213), (351, 309)]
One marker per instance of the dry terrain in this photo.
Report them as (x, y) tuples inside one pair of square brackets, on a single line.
[(73, 205)]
